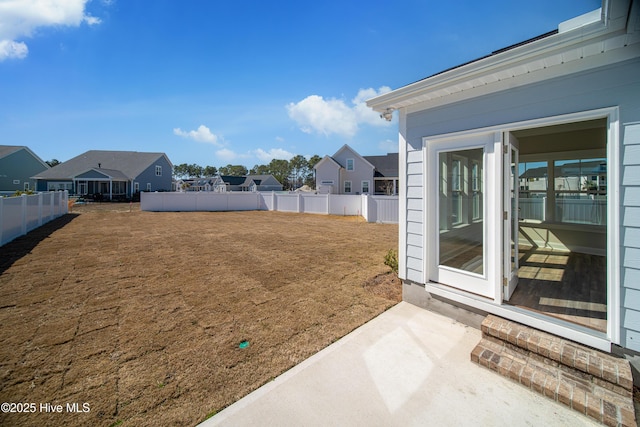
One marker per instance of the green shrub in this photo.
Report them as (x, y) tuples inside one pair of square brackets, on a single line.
[(391, 259)]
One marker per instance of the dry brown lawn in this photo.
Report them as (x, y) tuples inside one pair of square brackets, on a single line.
[(140, 314)]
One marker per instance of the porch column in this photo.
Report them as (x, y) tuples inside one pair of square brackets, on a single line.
[(110, 189)]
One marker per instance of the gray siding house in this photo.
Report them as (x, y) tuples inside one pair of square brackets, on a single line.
[(109, 175), (563, 257), (252, 183), (17, 165), (347, 172)]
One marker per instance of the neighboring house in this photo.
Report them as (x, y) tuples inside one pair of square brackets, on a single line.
[(109, 175), (215, 184), (385, 176), (17, 165), (252, 183), (347, 172), (568, 97), (255, 183)]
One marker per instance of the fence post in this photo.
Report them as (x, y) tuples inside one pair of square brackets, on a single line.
[(274, 200), (328, 200), (52, 206), (24, 214), (299, 204), (40, 208), (66, 202)]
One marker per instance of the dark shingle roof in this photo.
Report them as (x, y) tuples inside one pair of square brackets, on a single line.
[(129, 163), (233, 180), (386, 165)]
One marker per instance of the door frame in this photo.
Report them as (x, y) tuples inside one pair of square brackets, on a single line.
[(510, 225), (480, 285), (496, 306)]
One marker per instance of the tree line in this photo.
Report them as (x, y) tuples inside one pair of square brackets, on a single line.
[(291, 174)]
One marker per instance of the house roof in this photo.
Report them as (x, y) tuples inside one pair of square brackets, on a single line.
[(385, 166), (108, 173), (233, 180), (257, 179), (343, 148), (129, 164), (530, 61), (6, 150), (327, 159)]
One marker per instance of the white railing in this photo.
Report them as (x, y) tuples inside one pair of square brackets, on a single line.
[(21, 214), (372, 208)]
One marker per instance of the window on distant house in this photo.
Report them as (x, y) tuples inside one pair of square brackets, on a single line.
[(347, 186), (158, 170), (365, 187), (26, 186), (136, 187), (16, 182), (349, 164), (148, 186)]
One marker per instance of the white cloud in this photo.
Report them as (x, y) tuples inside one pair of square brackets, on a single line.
[(227, 155), (11, 49), (274, 153), (315, 114), (202, 134), (334, 116), (20, 18), (365, 114)]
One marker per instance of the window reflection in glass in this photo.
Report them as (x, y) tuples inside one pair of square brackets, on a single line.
[(461, 207)]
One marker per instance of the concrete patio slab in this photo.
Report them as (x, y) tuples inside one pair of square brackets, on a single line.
[(406, 367)]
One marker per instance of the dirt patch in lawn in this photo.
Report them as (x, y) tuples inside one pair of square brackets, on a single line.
[(140, 315)]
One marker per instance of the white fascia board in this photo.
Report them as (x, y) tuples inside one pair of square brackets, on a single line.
[(537, 54)]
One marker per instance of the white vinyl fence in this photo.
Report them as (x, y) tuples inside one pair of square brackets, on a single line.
[(19, 215), (579, 211), (372, 208)]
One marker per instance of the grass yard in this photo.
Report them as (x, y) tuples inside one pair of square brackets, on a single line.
[(140, 314)]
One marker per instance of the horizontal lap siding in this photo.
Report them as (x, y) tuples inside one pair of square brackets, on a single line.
[(630, 220), (415, 215)]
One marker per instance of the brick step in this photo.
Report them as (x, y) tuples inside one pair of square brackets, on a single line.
[(596, 384), (607, 370)]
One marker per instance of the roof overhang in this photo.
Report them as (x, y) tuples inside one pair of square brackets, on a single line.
[(578, 45)]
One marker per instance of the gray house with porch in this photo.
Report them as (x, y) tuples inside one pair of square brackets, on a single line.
[(109, 175)]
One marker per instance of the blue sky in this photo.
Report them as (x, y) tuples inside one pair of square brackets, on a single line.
[(240, 82)]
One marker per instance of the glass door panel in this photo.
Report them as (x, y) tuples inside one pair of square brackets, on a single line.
[(461, 205)]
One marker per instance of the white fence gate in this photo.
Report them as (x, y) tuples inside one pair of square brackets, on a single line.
[(19, 215), (372, 208)]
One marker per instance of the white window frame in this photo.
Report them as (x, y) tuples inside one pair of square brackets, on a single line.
[(158, 170), (367, 184), (351, 165), (350, 187), (136, 187), (26, 186), (148, 186), (16, 182)]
